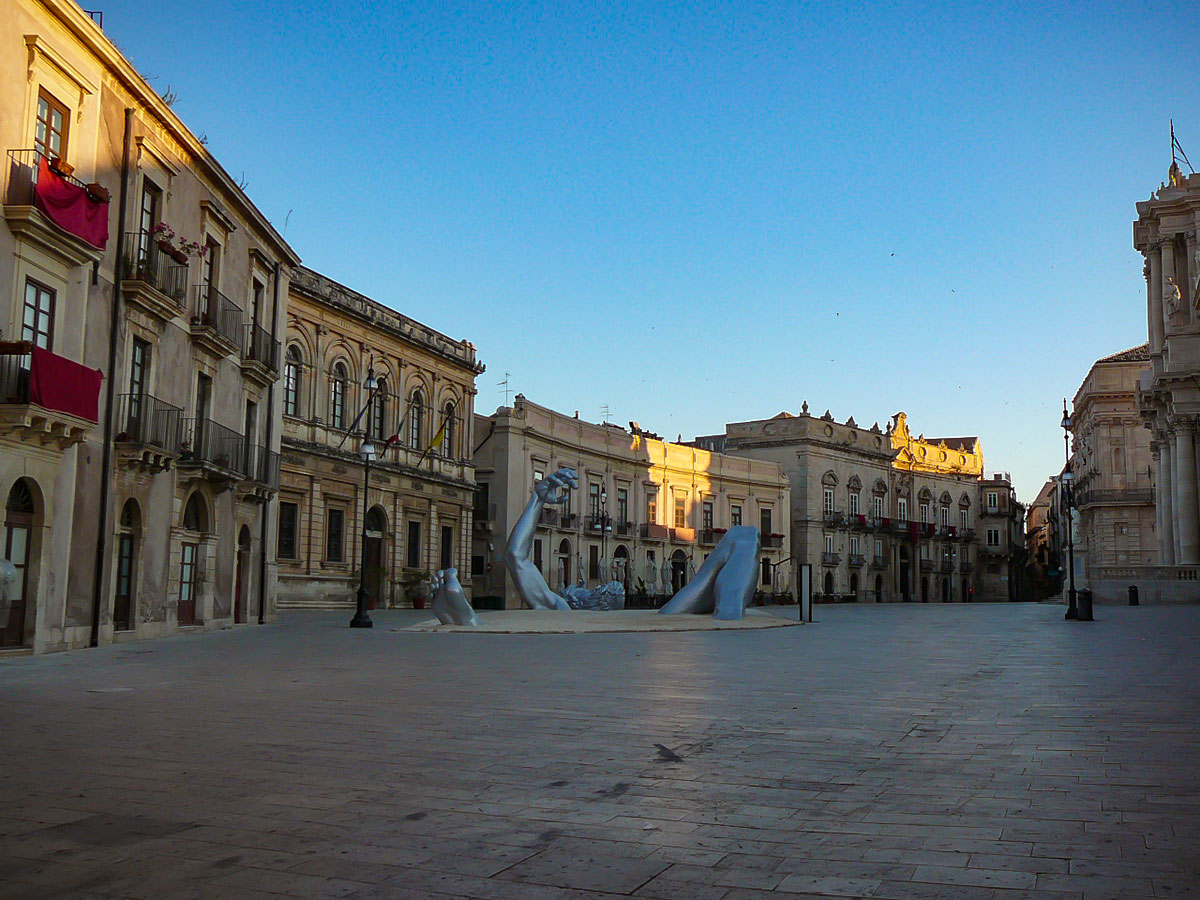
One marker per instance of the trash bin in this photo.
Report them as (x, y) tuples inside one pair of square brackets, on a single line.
[(1133, 595), (1085, 606)]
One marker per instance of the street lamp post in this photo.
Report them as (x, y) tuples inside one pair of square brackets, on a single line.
[(603, 523), (1067, 479), (367, 453)]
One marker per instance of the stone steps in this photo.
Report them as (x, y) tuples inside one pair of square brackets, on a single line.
[(315, 604)]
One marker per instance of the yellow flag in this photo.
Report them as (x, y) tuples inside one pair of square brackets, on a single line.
[(440, 436)]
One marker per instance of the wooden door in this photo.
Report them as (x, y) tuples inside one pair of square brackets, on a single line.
[(187, 585), (123, 602), (239, 587), (16, 550), (374, 570)]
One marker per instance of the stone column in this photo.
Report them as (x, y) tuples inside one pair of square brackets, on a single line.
[(1166, 478), (1187, 504), (1153, 309), (1156, 299), (1167, 249)]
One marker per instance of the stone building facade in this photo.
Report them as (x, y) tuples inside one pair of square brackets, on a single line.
[(140, 508), (1113, 475), (1002, 553), (422, 488), (646, 509), (1165, 232), (880, 515)]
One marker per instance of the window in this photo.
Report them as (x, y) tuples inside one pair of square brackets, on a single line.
[(766, 572), (854, 545), (482, 501), (53, 125), (993, 500), (877, 506), (993, 537), (537, 554), (414, 545), (379, 411), (680, 510), (289, 514), (416, 420), (139, 363), (878, 549), (622, 505), (212, 263), (447, 547), (335, 522), (924, 512), (256, 299), (150, 213), (195, 514), (337, 395), (707, 513), (764, 521), (829, 543), (37, 326), (902, 509), (735, 515), (962, 515), (477, 567), (448, 434), (291, 382), (594, 501), (945, 516), (594, 562), (652, 509), (853, 501), (827, 505)]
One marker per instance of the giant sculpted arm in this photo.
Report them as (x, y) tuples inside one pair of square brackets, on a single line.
[(533, 589)]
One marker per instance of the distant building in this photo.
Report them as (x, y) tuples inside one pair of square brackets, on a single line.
[(882, 515), (1002, 552), (422, 487), (1043, 565), (1169, 392), (647, 511), (1113, 484)]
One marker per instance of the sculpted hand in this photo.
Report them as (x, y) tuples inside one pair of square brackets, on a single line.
[(548, 488)]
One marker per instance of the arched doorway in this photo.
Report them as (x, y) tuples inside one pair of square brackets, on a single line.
[(621, 566), (130, 525), (854, 585), (18, 549), (376, 568), (195, 526), (924, 588), (966, 590), (878, 588), (828, 583), (679, 575), (564, 562), (241, 576), (905, 576), (945, 590)]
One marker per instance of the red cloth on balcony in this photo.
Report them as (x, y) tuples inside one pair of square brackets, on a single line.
[(56, 382), (70, 208)]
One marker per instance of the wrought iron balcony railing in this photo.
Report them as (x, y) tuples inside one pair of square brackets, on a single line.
[(261, 348), (206, 442), (830, 559), (144, 419), (214, 311), (146, 261)]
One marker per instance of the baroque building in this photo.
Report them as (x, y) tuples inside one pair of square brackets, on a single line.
[(1168, 399), (880, 515), (1113, 476), (138, 507), (422, 487), (647, 511)]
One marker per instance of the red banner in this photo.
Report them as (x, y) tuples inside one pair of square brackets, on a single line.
[(70, 208), (56, 382)]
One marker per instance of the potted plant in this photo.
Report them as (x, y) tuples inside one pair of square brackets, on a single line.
[(98, 192)]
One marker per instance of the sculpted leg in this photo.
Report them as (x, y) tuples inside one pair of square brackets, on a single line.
[(450, 605), (725, 583)]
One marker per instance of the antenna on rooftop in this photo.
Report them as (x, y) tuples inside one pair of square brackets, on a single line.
[(507, 389), (604, 411)]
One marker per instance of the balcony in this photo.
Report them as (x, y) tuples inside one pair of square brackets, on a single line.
[(858, 522), (834, 519), (683, 535), (548, 518), (260, 356), (46, 399), (216, 322), (966, 534), (948, 533), (878, 562), (712, 536), (772, 541), (153, 281), (947, 566), (855, 560), (149, 432), (654, 532), (927, 565), (899, 526), (260, 474), (926, 529), (1139, 496), (568, 520), (57, 213), (212, 452), (624, 529), (600, 523), (830, 559), (991, 511)]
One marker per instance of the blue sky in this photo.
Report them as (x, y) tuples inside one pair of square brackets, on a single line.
[(702, 213)]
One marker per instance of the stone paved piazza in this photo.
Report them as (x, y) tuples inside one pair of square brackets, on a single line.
[(985, 751)]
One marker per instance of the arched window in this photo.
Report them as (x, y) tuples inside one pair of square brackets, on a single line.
[(291, 382), (448, 423), (379, 412), (564, 562), (416, 420), (337, 395), (16, 542), (195, 514)]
